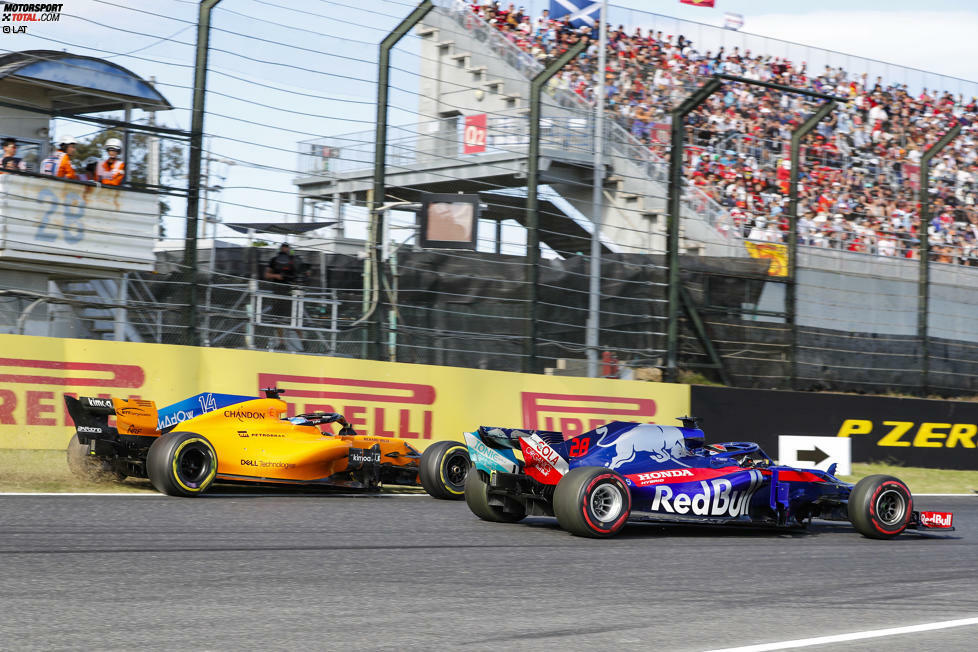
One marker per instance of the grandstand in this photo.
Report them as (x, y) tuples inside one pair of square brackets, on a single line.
[(844, 313), (857, 284)]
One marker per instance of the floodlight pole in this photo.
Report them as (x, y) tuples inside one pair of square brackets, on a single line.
[(791, 291), (193, 166), (923, 278), (375, 339), (532, 273)]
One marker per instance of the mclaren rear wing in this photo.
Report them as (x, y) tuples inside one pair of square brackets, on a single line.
[(134, 417)]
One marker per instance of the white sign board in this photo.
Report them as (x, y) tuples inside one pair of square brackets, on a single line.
[(46, 220), (816, 452)]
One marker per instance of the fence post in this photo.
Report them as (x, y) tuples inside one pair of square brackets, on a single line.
[(923, 279), (675, 201), (791, 291), (193, 166), (532, 274), (375, 337)]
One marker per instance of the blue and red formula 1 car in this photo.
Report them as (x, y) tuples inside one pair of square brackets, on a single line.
[(597, 481)]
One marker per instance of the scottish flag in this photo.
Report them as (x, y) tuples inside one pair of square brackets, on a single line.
[(581, 12)]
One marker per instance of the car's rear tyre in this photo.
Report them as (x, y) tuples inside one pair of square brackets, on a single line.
[(443, 468), (880, 506), (592, 501), (181, 464), (477, 498), (86, 467)]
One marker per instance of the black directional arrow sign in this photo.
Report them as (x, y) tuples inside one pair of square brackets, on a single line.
[(816, 456), (810, 451)]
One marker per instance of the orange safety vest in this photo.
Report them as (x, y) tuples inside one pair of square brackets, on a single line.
[(110, 173), (64, 169)]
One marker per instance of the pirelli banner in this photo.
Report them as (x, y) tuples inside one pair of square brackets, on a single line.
[(417, 402), (911, 432)]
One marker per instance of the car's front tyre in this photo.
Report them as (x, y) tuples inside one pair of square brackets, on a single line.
[(443, 468), (592, 501), (880, 506), (181, 464)]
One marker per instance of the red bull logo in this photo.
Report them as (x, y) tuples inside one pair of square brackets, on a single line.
[(936, 519), (32, 391), (715, 498), (381, 408), (573, 414)]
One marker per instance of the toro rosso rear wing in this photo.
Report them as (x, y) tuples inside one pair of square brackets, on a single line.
[(493, 450)]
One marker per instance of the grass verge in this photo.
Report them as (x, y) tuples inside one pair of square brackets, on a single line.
[(921, 481), (47, 471)]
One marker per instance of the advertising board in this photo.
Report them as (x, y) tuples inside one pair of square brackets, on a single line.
[(927, 433), (419, 402)]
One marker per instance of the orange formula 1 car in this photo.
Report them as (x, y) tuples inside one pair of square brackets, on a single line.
[(185, 447)]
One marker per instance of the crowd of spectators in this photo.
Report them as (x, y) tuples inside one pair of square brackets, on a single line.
[(859, 182)]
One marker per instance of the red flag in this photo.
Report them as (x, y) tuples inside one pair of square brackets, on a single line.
[(698, 3)]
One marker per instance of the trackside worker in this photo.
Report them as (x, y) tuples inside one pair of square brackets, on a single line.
[(111, 171), (59, 163)]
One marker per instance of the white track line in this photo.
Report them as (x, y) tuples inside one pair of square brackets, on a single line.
[(71, 493), (944, 495), (854, 636)]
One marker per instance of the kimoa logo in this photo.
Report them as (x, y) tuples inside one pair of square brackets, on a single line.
[(717, 498), (89, 429)]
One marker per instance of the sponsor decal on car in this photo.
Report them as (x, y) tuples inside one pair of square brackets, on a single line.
[(360, 456), (488, 459), (195, 406), (268, 465), (542, 462), (716, 497), (937, 519), (383, 408), (89, 430), (242, 415), (673, 476), (574, 414), (642, 441), (655, 477)]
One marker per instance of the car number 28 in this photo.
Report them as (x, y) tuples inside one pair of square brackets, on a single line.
[(71, 229)]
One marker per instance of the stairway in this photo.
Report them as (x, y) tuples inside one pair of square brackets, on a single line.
[(93, 301)]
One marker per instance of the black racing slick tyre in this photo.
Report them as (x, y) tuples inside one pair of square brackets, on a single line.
[(181, 464), (880, 506), (443, 468), (592, 501), (477, 498), (86, 467)]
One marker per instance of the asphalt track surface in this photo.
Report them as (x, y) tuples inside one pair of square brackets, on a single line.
[(387, 572)]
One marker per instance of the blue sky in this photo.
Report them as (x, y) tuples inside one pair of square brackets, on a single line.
[(289, 70)]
